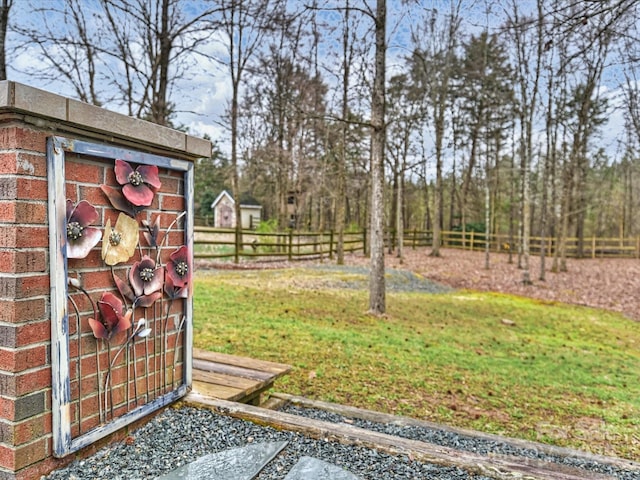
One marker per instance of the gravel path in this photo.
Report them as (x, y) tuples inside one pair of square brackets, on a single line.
[(178, 436), (395, 280)]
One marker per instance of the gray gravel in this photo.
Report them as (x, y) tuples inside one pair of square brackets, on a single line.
[(395, 280), (179, 436), (461, 442)]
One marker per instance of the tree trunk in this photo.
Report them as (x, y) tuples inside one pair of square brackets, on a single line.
[(235, 176), (5, 6), (160, 111), (487, 219), (377, 303), (341, 208), (399, 217), (437, 199)]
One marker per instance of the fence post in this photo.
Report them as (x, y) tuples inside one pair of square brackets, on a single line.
[(364, 241), (236, 257), (290, 249), (471, 241), (593, 247), (330, 244)]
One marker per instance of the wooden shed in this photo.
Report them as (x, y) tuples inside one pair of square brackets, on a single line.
[(224, 214)]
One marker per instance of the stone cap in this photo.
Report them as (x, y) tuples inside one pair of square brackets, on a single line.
[(85, 117)]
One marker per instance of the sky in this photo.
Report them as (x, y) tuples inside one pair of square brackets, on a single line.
[(203, 95)]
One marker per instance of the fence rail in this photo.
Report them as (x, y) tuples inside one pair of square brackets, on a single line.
[(220, 243)]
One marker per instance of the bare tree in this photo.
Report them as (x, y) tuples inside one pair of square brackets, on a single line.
[(244, 24), (528, 44), (341, 195), (5, 7), (69, 42), (433, 65), (123, 52), (155, 41), (404, 112)]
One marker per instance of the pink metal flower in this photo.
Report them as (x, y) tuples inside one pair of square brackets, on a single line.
[(172, 291), (145, 277), (178, 267), (139, 185), (81, 238), (118, 201), (113, 319)]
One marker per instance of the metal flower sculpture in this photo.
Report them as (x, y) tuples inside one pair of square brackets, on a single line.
[(118, 201), (120, 242), (113, 318), (81, 238), (145, 277), (174, 292), (178, 267), (139, 185), (151, 232)]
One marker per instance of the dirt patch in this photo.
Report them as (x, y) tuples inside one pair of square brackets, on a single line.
[(612, 284)]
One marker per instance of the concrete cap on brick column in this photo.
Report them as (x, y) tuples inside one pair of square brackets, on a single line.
[(83, 116)]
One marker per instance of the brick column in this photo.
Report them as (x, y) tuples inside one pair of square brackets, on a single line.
[(25, 330), (27, 118)]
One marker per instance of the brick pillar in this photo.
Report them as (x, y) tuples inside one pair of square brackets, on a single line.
[(25, 330), (27, 118)]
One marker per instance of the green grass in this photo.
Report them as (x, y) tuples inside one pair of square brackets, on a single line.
[(562, 374)]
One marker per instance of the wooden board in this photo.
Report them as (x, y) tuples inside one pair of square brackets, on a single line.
[(218, 391), (245, 384), (232, 370), (377, 417), (274, 368)]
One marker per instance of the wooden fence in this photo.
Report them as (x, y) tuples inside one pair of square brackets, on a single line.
[(219, 243), (225, 243)]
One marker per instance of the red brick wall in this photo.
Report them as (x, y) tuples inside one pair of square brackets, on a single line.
[(25, 329)]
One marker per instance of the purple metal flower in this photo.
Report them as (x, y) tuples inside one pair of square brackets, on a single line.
[(145, 277), (178, 267), (113, 319), (139, 185), (81, 238)]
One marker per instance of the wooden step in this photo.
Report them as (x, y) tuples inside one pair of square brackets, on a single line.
[(234, 378)]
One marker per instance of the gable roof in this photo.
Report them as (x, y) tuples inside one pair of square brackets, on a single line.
[(247, 201), (223, 194)]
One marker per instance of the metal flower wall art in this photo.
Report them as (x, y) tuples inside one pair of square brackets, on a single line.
[(136, 329), (81, 238)]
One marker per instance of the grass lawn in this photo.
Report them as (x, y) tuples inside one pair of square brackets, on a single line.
[(559, 374)]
